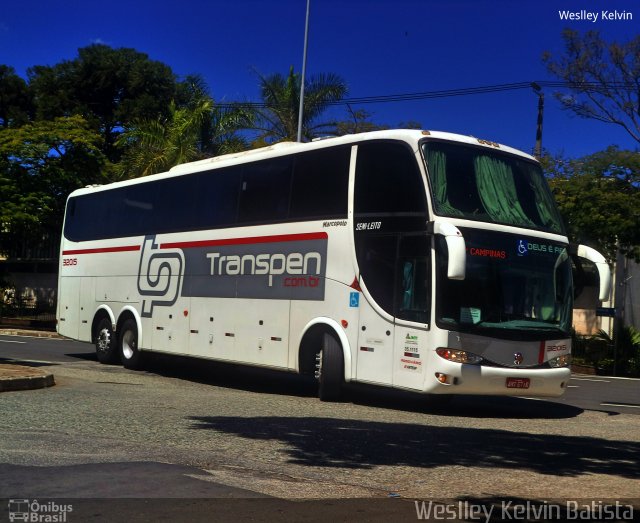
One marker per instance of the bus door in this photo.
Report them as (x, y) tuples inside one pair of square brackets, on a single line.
[(376, 253), (392, 250), (375, 345), (412, 310), (395, 270)]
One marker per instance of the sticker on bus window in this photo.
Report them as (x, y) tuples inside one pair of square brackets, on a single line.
[(470, 315), (354, 299)]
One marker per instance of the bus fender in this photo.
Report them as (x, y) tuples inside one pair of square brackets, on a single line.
[(106, 309), (342, 337), (129, 310)]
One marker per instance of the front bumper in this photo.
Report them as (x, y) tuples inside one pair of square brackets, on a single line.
[(478, 379)]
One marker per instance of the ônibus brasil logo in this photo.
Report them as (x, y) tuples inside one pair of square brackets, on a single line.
[(38, 511)]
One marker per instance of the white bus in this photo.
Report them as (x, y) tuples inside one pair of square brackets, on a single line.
[(418, 260)]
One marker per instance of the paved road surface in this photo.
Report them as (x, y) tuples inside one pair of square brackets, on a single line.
[(613, 395), (246, 444)]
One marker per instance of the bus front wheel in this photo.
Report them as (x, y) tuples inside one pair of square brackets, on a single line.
[(129, 353), (330, 369)]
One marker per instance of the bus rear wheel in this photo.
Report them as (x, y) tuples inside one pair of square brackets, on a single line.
[(129, 353), (329, 369), (106, 346)]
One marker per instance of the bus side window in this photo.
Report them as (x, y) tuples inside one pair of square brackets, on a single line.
[(321, 184), (264, 194), (388, 181), (217, 194)]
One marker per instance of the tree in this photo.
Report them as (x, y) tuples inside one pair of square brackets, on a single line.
[(219, 133), (15, 98), (603, 79), (358, 122), (156, 145), (40, 164), (108, 87), (599, 198), (198, 129), (278, 120)]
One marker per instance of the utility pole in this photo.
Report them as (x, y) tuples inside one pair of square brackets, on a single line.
[(538, 149), (304, 69)]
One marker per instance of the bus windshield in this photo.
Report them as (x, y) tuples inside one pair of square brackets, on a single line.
[(515, 287), (481, 184)]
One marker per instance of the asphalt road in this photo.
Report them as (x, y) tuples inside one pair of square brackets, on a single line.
[(608, 394), (185, 439)]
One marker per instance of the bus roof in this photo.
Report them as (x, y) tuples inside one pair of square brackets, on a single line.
[(411, 136)]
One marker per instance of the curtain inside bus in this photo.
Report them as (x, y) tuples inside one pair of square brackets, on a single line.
[(497, 191), (437, 161)]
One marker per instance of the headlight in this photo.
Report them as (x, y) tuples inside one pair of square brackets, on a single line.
[(458, 356), (560, 361)]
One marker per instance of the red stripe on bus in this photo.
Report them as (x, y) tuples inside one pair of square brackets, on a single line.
[(248, 240), (541, 353), (125, 248)]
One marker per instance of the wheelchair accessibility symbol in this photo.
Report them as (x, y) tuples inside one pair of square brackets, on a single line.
[(354, 299), (522, 248)]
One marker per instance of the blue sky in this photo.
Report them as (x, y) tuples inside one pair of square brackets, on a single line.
[(379, 47)]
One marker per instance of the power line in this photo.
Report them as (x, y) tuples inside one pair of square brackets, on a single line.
[(467, 91)]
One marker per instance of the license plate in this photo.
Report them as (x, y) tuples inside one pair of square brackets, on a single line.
[(518, 383)]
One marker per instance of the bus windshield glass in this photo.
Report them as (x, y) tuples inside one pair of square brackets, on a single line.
[(515, 287), (481, 184)]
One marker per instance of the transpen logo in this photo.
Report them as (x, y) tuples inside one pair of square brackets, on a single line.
[(272, 268), (159, 276), (294, 263)]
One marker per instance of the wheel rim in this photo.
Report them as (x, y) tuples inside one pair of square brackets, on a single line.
[(128, 344), (318, 372), (104, 340)]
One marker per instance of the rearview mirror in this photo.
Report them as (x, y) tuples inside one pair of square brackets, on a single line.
[(601, 264), (456, 267)]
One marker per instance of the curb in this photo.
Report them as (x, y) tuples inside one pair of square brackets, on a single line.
[(18, 377), (9, 331)]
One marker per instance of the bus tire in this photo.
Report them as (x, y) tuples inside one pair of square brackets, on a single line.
[(330, 369), (105, 341), (129, 353)]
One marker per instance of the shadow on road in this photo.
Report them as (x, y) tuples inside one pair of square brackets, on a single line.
[(345, 443), (87, 356), (266, 381), (18, 361)]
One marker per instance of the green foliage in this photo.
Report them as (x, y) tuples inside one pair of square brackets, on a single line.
[(15, 98), (60, 131), (602, 77), (620, 352), (281, 95), (156, 145), (40, 164), (599, 198), (626, 356), (109, 87), (196, 129), (358, 122)]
